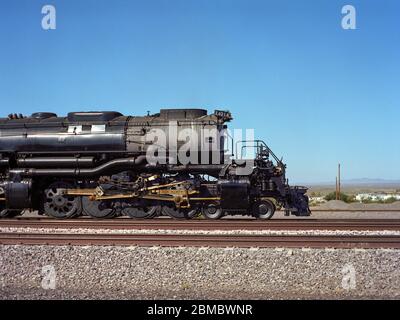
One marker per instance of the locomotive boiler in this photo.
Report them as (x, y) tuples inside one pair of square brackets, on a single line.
[(104, 164)]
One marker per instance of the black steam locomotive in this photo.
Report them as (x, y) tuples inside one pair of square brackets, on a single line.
[(104, 164)]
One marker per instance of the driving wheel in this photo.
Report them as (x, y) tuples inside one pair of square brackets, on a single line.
[(179, 213), (145, 212), (98, 209)]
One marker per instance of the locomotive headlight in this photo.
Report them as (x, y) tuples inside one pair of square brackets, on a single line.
[(278, 170)]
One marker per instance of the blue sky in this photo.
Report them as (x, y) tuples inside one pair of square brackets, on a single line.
[(317, 94)]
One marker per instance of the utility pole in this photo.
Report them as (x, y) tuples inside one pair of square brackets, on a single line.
[(339, 179), (336, 190)]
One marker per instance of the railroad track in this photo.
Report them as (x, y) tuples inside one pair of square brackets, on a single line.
[(224, 224), (355, 210), (196, 240), (203, 240)]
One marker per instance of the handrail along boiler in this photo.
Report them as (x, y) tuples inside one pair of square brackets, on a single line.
[(97, 164)]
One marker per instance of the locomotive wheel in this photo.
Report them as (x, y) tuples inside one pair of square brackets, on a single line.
[(59, 205), (98, 209), (212, 211), (264, 210), (141, 212), (6, 213), (176, 213)]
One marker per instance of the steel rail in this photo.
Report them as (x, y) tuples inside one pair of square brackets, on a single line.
[(225, 224), (355, 210), (196, 240)]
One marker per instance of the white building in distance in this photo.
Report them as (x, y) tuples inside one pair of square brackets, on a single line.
[(377, 196)]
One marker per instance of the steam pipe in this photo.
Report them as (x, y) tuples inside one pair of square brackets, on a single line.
[(60, 162), (106, 168), (195, 168)]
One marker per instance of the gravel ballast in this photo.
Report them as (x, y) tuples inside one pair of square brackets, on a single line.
[(202, 232), (95, 272)]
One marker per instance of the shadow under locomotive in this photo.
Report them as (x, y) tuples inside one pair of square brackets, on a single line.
[(104, 164)]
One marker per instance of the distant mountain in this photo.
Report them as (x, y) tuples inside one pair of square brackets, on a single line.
[(368, 181), (359, 182)]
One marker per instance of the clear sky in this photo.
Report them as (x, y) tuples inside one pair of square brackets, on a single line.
[(316, 93)]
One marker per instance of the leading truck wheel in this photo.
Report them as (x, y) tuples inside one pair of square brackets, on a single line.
[(59, 205), (212, 211), (264, 209)]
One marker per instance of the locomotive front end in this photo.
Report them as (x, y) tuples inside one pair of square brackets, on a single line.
[(270, 187)]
